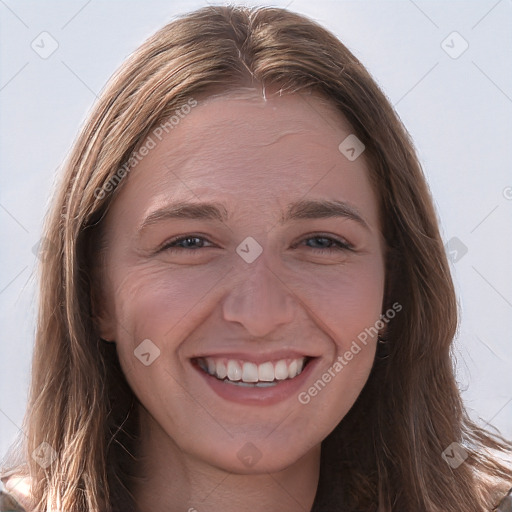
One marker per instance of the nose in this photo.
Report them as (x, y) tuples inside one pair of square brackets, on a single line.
[(260, 300)]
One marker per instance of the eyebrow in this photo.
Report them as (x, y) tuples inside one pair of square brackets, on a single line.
[(303, 209)]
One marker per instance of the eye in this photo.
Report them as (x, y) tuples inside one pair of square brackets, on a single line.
[(188, 242), (324, 244), (191, 243)]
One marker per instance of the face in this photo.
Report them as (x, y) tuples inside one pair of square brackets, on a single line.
[(244, 261)]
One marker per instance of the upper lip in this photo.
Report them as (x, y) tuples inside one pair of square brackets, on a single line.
[(257, 357)]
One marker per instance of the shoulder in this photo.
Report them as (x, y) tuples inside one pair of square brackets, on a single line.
[(15, 494), (9, 504), (506, 503)]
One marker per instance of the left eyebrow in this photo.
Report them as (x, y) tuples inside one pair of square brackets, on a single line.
[(310, 209), (322, 209)]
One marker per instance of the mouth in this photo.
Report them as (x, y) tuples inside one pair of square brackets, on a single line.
[(249, 374)]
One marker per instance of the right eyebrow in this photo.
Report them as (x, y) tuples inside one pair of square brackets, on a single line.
[(183, 210)]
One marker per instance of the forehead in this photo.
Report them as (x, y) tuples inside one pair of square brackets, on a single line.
[(245, 148), (240, 128)]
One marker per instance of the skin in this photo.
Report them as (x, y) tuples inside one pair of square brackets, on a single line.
[(255, 155)]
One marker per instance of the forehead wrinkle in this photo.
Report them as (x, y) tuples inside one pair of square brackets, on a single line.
[(187, 157), (205, 166), (191, 167), (190, 152), (194, 135), (197, 136)]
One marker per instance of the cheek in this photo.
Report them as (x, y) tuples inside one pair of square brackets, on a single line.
[(347, 306), (345, 301), (156, 305), (159, 305), (154, 300)]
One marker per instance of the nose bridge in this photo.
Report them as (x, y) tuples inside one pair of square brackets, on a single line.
[(258, 298)]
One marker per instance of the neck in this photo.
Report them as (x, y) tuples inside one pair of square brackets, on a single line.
[(172, 481)]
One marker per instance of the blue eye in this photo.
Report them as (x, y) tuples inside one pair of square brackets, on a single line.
[(328, 243), (192, 243), (184, 242)]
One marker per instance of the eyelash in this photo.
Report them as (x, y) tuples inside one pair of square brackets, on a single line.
[(339, 244)]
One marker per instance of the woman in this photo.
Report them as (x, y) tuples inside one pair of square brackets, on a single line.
[(246, 304)]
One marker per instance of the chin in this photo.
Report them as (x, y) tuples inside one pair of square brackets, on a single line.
[(257, 457)]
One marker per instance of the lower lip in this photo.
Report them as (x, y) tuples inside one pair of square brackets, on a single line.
[(259, 396)]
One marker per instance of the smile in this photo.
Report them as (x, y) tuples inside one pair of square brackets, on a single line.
[(249, 374)]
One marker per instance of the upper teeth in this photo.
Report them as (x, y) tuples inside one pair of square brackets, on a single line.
[(245, 371)]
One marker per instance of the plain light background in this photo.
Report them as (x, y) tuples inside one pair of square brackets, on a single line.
[(458, 111)]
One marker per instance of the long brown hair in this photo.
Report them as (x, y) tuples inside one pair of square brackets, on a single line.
[(386, 454)]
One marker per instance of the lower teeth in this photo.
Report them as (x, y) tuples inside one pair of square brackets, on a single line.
[(251, 384)]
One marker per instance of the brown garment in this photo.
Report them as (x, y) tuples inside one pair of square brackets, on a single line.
[(9, 504), (506, 504)]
